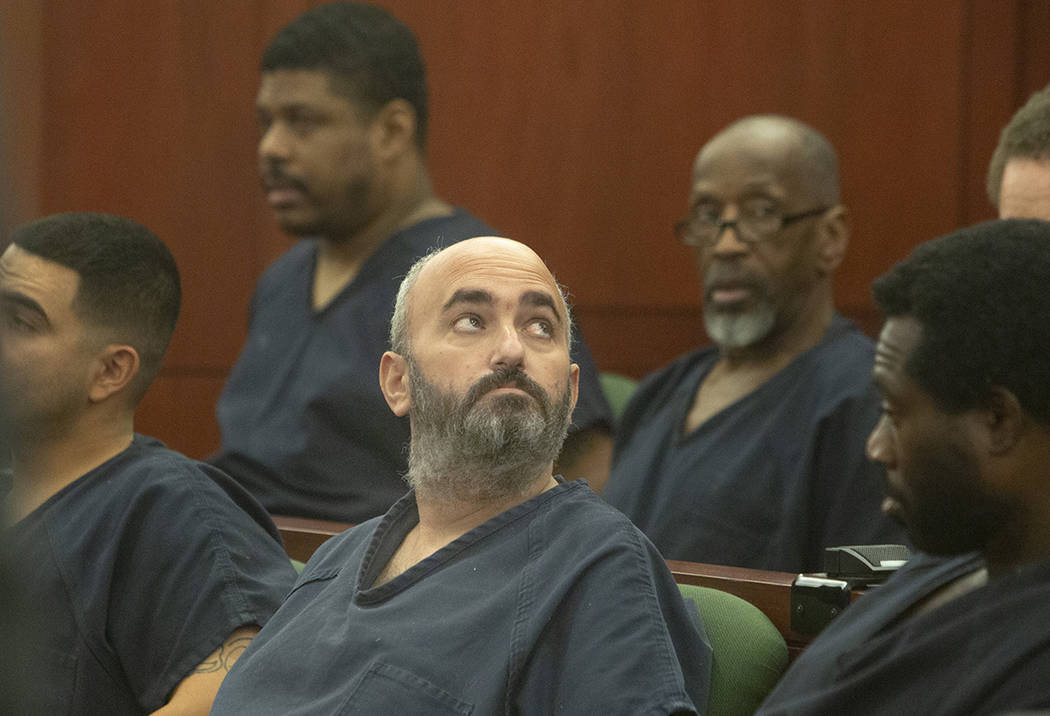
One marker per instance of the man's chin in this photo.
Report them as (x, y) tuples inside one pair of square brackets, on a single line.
[(294, 223), (738, 329)]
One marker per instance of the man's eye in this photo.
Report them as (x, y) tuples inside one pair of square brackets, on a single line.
[(541, 327), (303, 124), (16, 322), (707, 213), (889, 415), (759, 209), (469, 324)]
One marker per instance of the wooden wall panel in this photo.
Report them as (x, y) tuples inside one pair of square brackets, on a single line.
[(20, 112), (571, 126)]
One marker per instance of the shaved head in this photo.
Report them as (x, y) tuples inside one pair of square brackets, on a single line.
[(805, 155), (467, 253)]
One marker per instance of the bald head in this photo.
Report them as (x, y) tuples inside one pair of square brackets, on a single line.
[(482, 258), (802, 156)]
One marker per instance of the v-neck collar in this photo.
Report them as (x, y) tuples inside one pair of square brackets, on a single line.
[(404, 515)]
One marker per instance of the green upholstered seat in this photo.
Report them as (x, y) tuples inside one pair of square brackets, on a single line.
[(749, 653), (618, 390)]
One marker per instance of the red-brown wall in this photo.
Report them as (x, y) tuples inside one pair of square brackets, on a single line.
[(570, 126)]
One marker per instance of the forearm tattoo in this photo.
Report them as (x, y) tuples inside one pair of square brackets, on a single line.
[(222, 659)]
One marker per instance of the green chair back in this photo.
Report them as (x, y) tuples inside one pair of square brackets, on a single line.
[(618, 390), (749, 653)]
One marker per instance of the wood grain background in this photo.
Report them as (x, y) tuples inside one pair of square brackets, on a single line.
[(570, 126)]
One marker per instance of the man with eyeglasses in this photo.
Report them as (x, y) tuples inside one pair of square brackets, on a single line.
[(750, 452)]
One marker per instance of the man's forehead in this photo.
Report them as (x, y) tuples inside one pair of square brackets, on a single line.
[(744, 165), (489, 264), (299, 86), (897, 342), (25, 274), (1025, 189)]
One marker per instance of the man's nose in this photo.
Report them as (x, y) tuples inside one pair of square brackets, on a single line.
[(728, 242), (275, 143), (879, 446), (509, 350)]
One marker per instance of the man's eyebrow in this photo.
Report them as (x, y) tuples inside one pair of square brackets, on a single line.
[(25, 301), (468, 295), (539, 298)]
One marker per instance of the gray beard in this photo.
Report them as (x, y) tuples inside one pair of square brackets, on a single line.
[(739, 330), (471, 449)]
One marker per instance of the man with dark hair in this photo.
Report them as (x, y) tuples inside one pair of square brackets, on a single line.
[(151, 572), (750, 452), (962, 365), (1019, 173), (492, 587), (342, 108)]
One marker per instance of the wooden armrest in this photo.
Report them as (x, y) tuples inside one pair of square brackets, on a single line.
[(769, 591), (303, 536)]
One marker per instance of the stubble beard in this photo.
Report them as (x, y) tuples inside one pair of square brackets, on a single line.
[(481, 447), (954, 512), (338, 220)]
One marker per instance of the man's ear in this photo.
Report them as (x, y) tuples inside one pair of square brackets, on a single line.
[(115, 366), (394, 129), (393, 381), (1003, 420), (574, 385), (833, 238)]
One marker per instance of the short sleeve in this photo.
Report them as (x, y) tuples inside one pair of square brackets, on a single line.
[(191, 568)]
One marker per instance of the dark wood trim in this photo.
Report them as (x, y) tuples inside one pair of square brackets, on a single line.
[(303, 536)]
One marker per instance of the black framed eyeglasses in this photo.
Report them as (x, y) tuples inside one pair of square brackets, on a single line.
[(751, 226)]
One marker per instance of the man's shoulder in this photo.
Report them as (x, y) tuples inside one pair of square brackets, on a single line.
[(149, 462), (295, 262), (655, 390), (844, 349), (835, 371), (160, 488), (334, 554), (436, 232), (580, 520)]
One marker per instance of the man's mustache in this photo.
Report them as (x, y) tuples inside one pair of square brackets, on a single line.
[(273, 177), (502, 377)]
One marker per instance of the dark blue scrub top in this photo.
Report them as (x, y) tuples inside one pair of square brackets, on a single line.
[(769, 481), (556, 606), (985, 652), (133, 574)]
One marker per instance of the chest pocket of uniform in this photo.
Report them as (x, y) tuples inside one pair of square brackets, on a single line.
[(389, 689)]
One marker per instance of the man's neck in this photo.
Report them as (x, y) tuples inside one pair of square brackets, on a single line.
[(340, 258), (1023, 538), (448, 519), (785, 342), (441, 521), (42, 465), (739, 372)]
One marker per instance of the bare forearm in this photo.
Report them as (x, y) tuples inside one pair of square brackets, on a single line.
[(195, 693)]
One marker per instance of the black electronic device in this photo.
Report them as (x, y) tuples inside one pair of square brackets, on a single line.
[(816, 599), (863, 565)]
